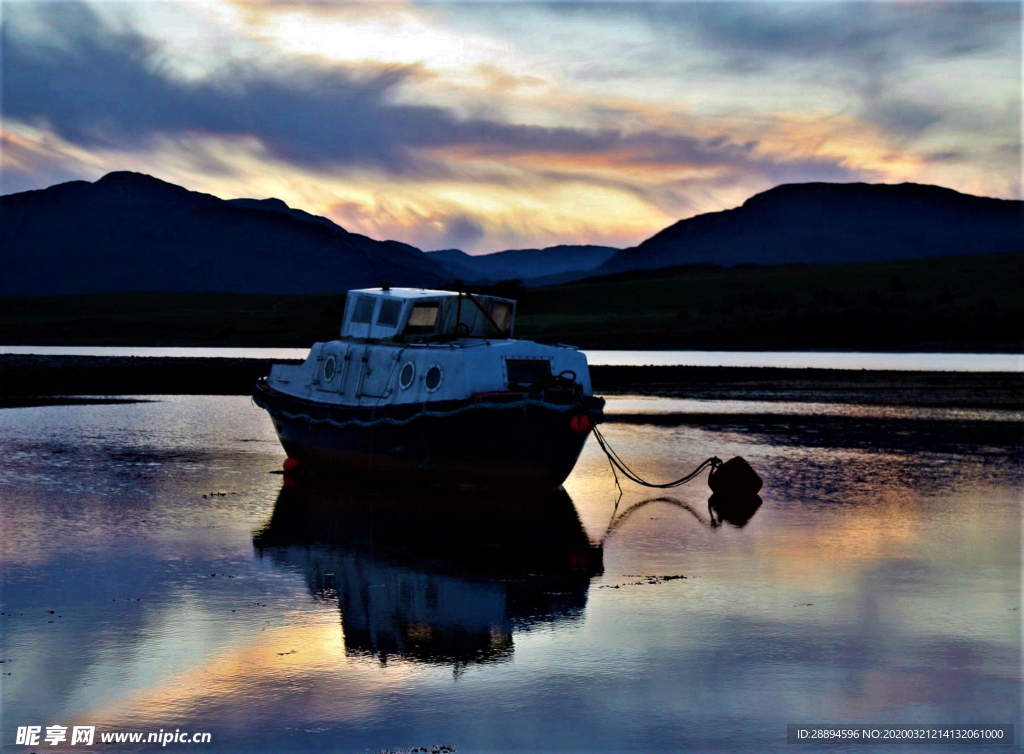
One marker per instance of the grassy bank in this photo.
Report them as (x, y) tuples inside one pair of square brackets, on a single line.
[(960, 303), (170, 319)]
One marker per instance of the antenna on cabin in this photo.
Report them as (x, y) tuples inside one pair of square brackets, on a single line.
[(458, 304)]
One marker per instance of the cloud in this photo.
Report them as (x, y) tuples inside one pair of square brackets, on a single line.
[(873, 49), (435, 228), (903, 116), (878, 60), (758, 35), (101, 87), (25, 164), (459, 232)]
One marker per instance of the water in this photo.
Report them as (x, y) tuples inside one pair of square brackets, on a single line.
[(191, 589), (928, 362)]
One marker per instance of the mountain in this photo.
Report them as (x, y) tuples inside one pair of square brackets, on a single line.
[(460, 265), (276, 205), (129, 232), (522, 264), (832, 223)]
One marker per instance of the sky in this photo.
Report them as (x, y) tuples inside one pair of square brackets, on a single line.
[(493, 125)]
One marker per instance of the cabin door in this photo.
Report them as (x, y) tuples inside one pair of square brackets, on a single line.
[(332, 368), (378, 371)]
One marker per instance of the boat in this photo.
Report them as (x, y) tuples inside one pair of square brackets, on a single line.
[(431, 386)]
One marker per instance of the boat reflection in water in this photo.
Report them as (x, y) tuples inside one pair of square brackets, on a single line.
[(432, 577)]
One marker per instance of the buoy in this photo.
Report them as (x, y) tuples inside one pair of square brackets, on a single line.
[(291, 464), (735, 479), (579, 424)]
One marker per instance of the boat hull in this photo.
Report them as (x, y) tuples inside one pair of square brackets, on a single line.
[(485, 440)]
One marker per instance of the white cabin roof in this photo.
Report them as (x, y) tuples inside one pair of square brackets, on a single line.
[(406, 293), (419, 313)]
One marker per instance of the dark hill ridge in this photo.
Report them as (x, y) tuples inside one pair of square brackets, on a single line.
[(277, 205), (832, 223), (522, 264), (129, 232)]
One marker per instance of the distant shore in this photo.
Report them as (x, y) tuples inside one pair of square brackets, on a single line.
[(24, 377)]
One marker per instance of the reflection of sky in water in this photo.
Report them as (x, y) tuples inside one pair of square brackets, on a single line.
[(879, 582)]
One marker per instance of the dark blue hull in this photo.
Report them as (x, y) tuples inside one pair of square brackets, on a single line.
[(498, 439)]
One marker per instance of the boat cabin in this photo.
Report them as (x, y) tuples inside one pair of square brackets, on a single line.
[(417, 314)]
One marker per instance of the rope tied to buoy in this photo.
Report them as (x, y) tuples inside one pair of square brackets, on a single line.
[(733, 483), (617, 464)]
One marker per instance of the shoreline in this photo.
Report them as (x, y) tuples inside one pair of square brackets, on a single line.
[(904, 361), (921, 348), (29, 376)]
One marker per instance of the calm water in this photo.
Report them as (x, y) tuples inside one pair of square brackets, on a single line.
[(928, 362), (157, 575)]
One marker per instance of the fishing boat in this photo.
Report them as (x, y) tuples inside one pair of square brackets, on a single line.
[(427, 385)]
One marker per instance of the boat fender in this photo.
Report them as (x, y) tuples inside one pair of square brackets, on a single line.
[(579, 424), (291, 465), (734, 479)]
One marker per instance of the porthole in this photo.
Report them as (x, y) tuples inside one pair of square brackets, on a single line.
[(433, 378), (407, 375), (330, 367)]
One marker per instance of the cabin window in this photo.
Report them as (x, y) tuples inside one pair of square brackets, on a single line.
[(527, 371), (390, 309), (422, 319), (432, 380), (362, 314), (407, 375), (330, 367), (501, 313)]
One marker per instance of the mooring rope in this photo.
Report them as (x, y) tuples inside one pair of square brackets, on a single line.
[(616, 462)]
